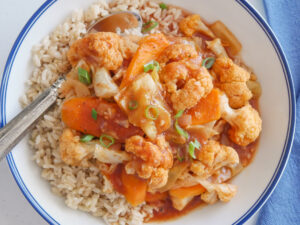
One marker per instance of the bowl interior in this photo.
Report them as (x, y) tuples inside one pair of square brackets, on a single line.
[(275, 107)]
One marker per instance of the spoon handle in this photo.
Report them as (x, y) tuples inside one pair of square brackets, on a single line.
[(18, 127)]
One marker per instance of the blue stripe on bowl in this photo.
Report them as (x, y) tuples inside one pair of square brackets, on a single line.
[(289, 137)]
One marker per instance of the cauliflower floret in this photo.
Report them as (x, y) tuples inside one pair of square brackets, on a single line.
[(172, 73), (245, 122), (193, 23), (98, 49), (237, 92), (225, 192), (198, 83), (216, 47), (228, 71), (212, 157), (146, 93), (73, 151), (177, 52), (233, 80), (149, 160)]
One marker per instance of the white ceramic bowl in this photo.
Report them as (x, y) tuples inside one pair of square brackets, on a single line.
[(261, 52)]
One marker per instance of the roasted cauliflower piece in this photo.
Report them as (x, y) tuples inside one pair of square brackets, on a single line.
[(150, 160), (212, 157), (233, 80), (198, 83), (216, 47), (145, 93), (73, 151), (225, 192), (98, 50), (245, 122), (177, 52), (192, 24)]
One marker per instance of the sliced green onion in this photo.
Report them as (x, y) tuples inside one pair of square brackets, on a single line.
[(208, 62), (149, 26), (163, 6), (151, 66), (83, 76), (180, 158), (86, 138), (181, 131), (104, 138), (178, 114), (133, 105), (192, 146), (94, 114), (151, 115)]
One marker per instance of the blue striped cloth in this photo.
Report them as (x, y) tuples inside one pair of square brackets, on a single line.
[(283, 207)]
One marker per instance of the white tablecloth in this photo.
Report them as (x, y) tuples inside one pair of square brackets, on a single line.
[(14, 208)]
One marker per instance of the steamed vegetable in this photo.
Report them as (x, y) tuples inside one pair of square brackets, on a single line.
[(149, 49)]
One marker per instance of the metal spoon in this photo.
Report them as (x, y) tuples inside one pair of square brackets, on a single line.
[(16, 129)]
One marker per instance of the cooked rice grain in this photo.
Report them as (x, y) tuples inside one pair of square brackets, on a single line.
[(83, 188)]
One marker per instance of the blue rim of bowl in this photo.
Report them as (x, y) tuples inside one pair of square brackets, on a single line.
[(289, 137)]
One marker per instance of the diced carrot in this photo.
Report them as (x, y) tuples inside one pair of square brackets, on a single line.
[(185, 192), (76, 113), (207, 109), (150, 48), (157, 196), (134, 188)]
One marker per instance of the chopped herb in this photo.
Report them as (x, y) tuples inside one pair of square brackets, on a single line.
[(180, 158), (151, 66), (108, 138), (179, 130), (192, 146), (151, 112), (163, 6), (94, 114), (83, 76), (133, 105), (86, 138), (149, 26), (178, 114), (208, 62)]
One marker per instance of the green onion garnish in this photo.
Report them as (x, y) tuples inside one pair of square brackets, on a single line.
[(178, 114), (104, 138), (86, 138), (83, 76), (149, 26), (94, 114), (180, 158), (192, 146), (151, 112), (133, 105), (151, 66), (181, 131), (208, 62), (163, 6)]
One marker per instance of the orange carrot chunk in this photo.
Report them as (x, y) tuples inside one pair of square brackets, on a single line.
[(185, 192), (207, 109), (134, 188), (89, 115), (157, 196), (150, 48)]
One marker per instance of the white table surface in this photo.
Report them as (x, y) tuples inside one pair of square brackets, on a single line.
[(14, 208)]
